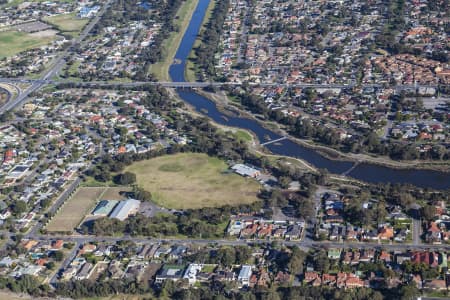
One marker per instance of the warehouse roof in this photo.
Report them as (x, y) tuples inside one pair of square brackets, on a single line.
[(125, 208), (104, 207)]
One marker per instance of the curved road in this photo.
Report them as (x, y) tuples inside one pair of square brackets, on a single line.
[(59, 63)]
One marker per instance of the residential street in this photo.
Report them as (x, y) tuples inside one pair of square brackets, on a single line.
[(416, 231), (58, 64)]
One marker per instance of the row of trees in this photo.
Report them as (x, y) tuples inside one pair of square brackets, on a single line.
[(223, 291), (214, 290), (205, 53), (366, 142), (201, 223), (225, 256), (155, 51)]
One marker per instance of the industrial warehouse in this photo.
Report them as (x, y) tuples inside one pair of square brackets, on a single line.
[(120, 210)]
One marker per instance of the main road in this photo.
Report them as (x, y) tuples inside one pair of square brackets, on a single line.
[(58, 64), (185, 84), (306, 243)]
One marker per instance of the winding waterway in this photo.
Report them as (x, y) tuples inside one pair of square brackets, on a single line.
[(363, 171)]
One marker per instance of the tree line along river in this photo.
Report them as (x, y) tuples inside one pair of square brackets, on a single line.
[(362, 171)]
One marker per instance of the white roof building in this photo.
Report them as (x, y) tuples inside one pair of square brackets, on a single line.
[(245, 170), (191, 272), (245, 274), (125, 208)]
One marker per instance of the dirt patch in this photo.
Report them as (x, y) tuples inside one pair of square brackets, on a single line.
[(44, 33), (32, 27)]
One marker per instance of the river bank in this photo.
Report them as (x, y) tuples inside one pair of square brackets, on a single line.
[(191, 69), (254, 145), (376, 172), (224, 105), (161, 69)]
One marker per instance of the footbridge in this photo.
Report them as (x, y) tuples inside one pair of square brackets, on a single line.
[(275, 141), (351, 169)]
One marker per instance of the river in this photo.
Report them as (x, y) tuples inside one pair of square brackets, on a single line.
[(362, 171)]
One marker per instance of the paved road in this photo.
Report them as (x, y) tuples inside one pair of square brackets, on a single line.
[(235, 242), (34, 231), (416, 232), (58, 64), (44, 81), (66, 262), (386, 128), (244, 33)]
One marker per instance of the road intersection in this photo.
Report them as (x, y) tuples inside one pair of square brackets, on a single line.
[(307, 242)]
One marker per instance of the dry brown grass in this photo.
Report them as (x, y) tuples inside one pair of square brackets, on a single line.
[(114, 193), (193, 180), (74, 210)]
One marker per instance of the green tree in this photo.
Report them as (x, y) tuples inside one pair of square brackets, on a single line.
[(428, 212), (141, 194), (19, 207), (409, 292), (58, 255), (126, 178)]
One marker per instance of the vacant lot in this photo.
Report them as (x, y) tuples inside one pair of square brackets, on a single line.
[(193, 180), (20, 41), (32, 26), (6, 294), (68, 23), (74, 210)]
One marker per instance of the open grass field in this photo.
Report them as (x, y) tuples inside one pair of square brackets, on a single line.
[(193, 180), (20, 41), (11, 3), (6, 294), (3, 96), (68, 23), (244, 136), (170, 46), (115, 193), (74, 210)]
